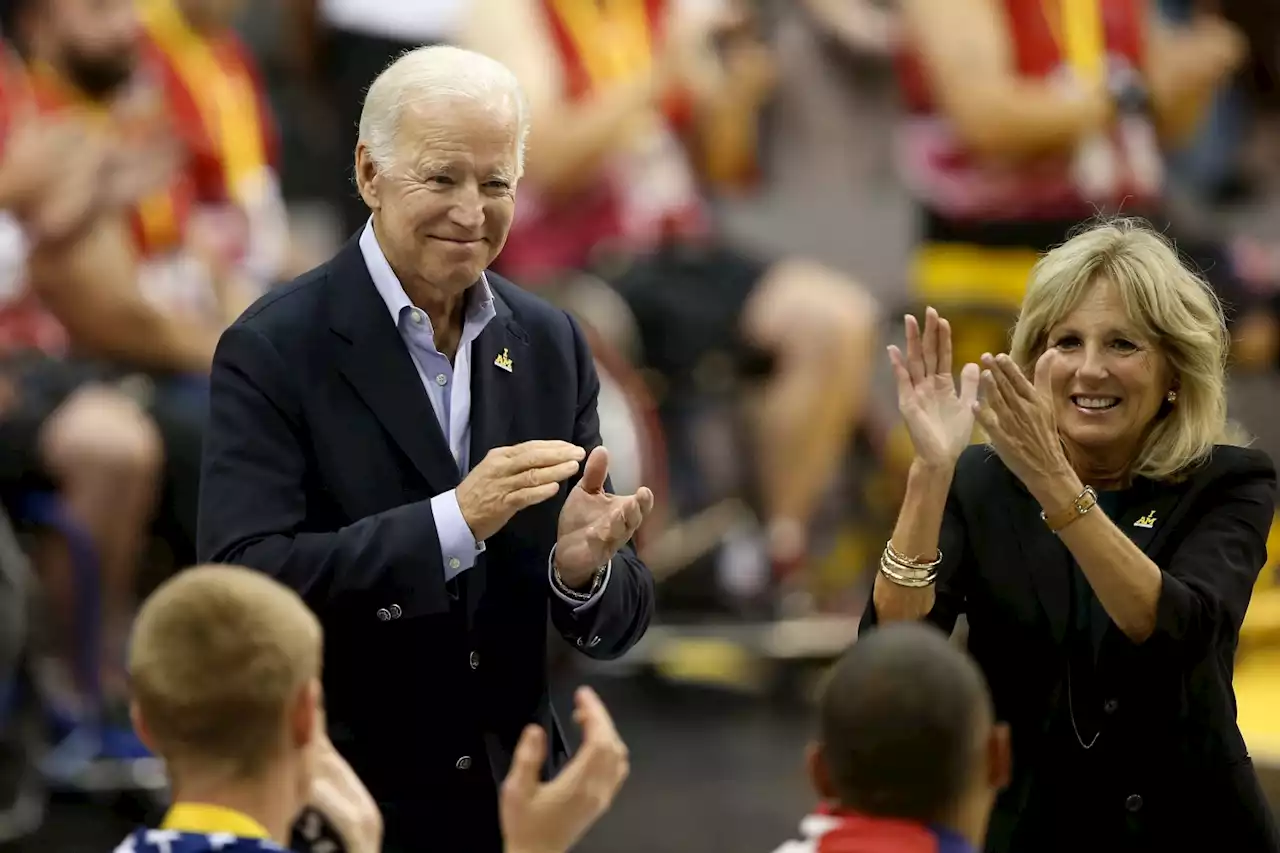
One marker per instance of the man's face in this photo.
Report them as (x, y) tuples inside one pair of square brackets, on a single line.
[(443, 207), (94, 41)]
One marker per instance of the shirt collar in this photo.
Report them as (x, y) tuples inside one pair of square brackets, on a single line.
[(479, 308), (209, 820)]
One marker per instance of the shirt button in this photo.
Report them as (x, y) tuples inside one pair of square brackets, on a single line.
[(395, 611), (383, 614), (474, 660), (463, 763), (441, 379), (455, 563), (1133, 802), (416, 316), (1109, 706)]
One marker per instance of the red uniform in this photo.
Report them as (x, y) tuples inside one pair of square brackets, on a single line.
[(207, 92), (948, 180), (648, 191)]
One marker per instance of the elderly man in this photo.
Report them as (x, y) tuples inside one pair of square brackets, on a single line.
[(412, 444)]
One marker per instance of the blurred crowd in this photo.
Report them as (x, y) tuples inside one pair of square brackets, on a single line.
[(165, 162)]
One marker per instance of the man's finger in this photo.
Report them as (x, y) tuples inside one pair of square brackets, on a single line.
[(540, 454), (522, 498), (593, 716), (526, 765), (595, 471), (644, 500), (531, 477)]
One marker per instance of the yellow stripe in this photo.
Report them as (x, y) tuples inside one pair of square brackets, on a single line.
[(208, 820), (957, 273), (612, 42), (1084, 42), (226, 99)]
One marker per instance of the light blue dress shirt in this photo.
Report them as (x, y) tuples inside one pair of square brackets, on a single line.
[(448, 385)]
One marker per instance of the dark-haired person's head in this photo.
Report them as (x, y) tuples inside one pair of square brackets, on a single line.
[(907, 731), (93, 44), (225, 669)]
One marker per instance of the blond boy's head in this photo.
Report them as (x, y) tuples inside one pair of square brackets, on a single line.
[(225, 665)]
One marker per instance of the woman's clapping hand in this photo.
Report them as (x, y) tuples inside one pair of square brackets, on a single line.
[(938, 417)]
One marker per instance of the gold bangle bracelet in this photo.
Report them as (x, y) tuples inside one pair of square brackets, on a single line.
[(909, 563)]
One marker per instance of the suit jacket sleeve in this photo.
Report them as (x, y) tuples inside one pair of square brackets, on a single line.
[(253, 499), (612, 625), (1206, 588), (951, 587)]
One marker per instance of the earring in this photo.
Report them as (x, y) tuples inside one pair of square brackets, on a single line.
[(1172, 396)]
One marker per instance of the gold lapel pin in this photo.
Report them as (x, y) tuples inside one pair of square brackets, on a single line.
[(504, 360), (1147, 522)]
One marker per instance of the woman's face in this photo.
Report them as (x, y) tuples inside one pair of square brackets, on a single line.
[(1109, 381)]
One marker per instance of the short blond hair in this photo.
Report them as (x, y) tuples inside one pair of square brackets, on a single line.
[(1168, 304), (218, 655)]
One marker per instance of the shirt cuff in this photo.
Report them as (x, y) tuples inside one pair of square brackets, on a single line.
[(458, 547), (579, 604)]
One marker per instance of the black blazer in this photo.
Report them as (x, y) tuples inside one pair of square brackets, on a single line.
[(322, 454), (1169, 770)]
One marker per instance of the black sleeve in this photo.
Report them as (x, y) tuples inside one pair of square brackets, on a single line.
[(1206, 588)]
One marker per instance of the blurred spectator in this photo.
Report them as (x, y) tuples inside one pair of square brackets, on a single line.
[(221, 110), (147, 284), (341, 45), (634, 102), (61, 429), (1025, 118), (909, 757)]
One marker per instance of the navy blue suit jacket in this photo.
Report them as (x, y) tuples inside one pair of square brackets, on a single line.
[(321, 457)]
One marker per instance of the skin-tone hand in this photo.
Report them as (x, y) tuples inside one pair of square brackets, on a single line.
[(595, 524), (509, 479), (339, 795), (939, 420), (1019, 419), (550, 817)]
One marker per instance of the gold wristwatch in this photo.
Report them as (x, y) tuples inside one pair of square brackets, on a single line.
[(1086, 501)]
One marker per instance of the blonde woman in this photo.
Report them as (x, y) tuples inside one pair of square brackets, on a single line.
[(1103, 545)]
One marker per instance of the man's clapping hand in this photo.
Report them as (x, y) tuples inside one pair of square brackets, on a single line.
[(342, 799), (595, 524), (550, 817), (509, 479)]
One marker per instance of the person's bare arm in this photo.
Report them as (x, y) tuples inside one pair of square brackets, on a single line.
[(90, 283), (1184, 68), (567, 142), (968, 60)]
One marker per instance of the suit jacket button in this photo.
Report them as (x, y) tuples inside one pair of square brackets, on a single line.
[(463, 763), (1109, 706), (383, 614), (395, 611), (474, 660), (1133, 802)]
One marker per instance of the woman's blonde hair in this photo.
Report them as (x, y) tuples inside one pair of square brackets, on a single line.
[(1169, 304)]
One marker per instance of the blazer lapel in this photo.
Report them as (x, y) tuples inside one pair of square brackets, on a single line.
[(498, 366), (377, 363), (498, 355), (1049, 563)]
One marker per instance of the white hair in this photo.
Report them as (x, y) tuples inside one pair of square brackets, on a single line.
[(437, 71)]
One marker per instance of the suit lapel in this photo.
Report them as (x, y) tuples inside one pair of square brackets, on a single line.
[(1049, 564), (377, 363), (498, 355), (498, 365)]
